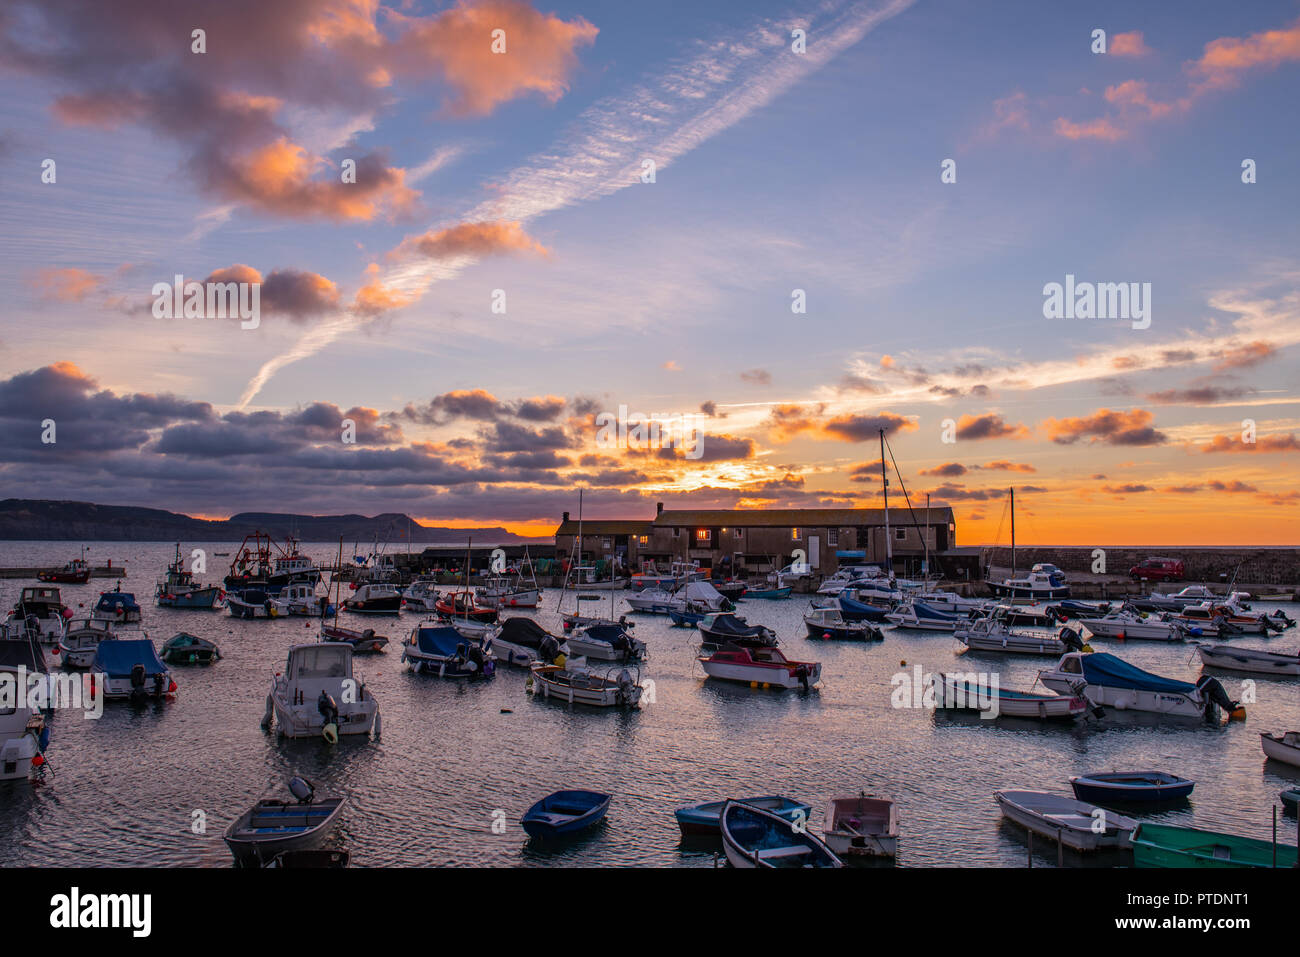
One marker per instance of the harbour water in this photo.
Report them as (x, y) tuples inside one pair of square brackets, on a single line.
[(156, 785)]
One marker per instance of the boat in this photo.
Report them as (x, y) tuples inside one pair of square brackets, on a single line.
[(1128, 622), (421, 595), (251, 603), (951, 602), (851, 609), (178, 589), (588, 576), (117, 606), (75, 572), (1164, 845), (374, 598), (1113, 682), (719, 629), (1231, 616), (966, 692), (130, 668), (918, 616), (300, 599), (40, 612), (521, 641), (571, 680), (564, 813), (439, 649), (755, 838), (772, 594), (272, 827), (829, 623), (679, 573), (1131, 787), (763, 667), (1017, 616), (1282, 747), (687, 619), (291, 567), (1045, 582), (1071, 822), (317, 694), (691, 596), (1069, 608), (733, 591), (504, 593), (461, 604), (705, 820), (186, 649), (606, 643), (1290, 799), (23, 732), (77, 647), (251, 566), (991, 634), (865, 826), (314, 859), (1191, 595), (1250, 660), (363, 641)]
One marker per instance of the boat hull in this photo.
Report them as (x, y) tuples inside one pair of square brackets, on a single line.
[(273, 828), (1163, 845), (1277, 749), (1068, 821), (761, 675), (1249, 660), (1135, 788)]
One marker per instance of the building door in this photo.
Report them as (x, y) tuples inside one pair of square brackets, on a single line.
[(814, 552)]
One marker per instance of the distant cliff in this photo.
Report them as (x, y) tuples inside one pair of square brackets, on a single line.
[(42, 520)]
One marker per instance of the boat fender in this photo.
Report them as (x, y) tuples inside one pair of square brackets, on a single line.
[(379, 723), (331, 733), (270, 711), (328, 708)]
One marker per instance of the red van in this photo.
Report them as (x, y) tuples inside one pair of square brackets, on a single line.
[(1157, 570)]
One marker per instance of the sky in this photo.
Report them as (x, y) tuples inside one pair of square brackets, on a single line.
[(479, 229)]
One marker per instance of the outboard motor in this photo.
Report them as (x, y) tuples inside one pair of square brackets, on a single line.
[(548, 649), (801, 673), (1214, 695), (625, 688), (137, 680), (1072, 639), (302, 789), (329, 710), (477, 658)]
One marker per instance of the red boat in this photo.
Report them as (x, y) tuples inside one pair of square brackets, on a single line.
[(76, 572), (461, 604), (759, 667)]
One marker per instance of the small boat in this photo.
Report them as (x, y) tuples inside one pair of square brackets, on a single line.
[(1250, 660), (24, 736), (461, 604), (1072, 608), (186, 649), (1113, 682), (318, 694), (733, 591), (853, 610), (132, 669), (1290, 799), (1282, 747), (1191, 595), (421, 595), (951, 602), (963, 692), (1129, 623), (1131, 787), (1014, 616), (504, 593), (441, 650), (364, 641), (687, 619), (1064, 819), (829, 623), (569, 679), (990, 634), (78, 644), (564, 813), (117, 606), (606, 643), (1044, 582), (272, 827), (762, 667), (300, 599), (40, 612), (773, 594), (1164, 845), (719, 629), (688, 597), (755, 838), (918, 616), (706, 819), (75, 572), (678, 573), (251, 603), (864, 825), (521, 641), (374, 598), (178, 589)]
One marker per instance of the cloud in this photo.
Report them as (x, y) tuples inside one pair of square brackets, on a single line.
[(1127, 44), (1243, 357), (473, 240), (757, 376), (1004, 466), (988, 426), (1098, 129), (296, 294), (948, 470), (860, 428), (1197, 395), (1110, 427), (66, 285), (1126, 489), (1225, 60), (1263, 444)]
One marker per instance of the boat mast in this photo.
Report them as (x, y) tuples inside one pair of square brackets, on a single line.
[(925, 539), (1013, 531), (884, 484)]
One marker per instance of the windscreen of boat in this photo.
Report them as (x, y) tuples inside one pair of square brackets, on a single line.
[(320, 661)]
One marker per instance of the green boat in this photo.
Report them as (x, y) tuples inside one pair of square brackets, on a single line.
[(1163, 845)]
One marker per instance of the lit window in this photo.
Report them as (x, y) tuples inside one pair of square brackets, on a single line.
[(794, 535), (702, 534), (644, 540)]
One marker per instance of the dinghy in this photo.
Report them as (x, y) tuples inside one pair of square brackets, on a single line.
[(829, 623), (762, 667), (441, 650), (571, 680), (864, 825), (964, 692), (755, 838), (1282, 747), (687, 619), (272, 827), (1131, 787), (565, 813), (186, 649), (132, 669), (1290, 799), (1164, 845), (1113, 682), (1076, 824), (1250, 660), (705, 820), (364, 641), (723, 628), (318, 694)]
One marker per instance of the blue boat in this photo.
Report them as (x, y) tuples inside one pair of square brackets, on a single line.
[(565, 812), (445, 652), (706, 818), (754, 838), (132, 669), (1131, 787), (770, 593), (686, 619), (116, 605), (851, 610)]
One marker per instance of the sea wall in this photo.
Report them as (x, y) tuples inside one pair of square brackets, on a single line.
[(1210, 564)]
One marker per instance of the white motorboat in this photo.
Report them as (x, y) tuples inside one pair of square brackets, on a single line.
[(698, 595), (318, 694), (78, 645), (505, 593), (573, 681), (40, 611), (1253, 661), (679, 573), (968, 692), (606, 642), (1112, 682), (992, 634), (23, 734), (1044, 582), (421, 595), (251, 603), (918, 616), (1282, 747), (374, 598), (1076, 824), (300, 598), (1177, 601), (865, 826), (952, 603), (1127, 622)]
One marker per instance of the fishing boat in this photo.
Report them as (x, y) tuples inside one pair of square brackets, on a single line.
[(23, 732), (251, 603), (694, 595), (186, 649), (1164, 845), (1073, 823), (291, 567), (705, 820), (762, 667), (990, 634), (1128, 622), (1177, 601), (75, 572), (300, 599), (755, 838), (317, 694), (504, 593), (273, 827), (441, 650), (1250, 660), (1131, 787), (772, 594), (40, 612), (829, 623), (117, 606), (1282, 747), (606, 643), (251, 566), (374, 598), (364, 641), (1113, 682), (679, 573), (178, 589), (130, 668), (421, 595), (77, 647), (719, 629), (571, 680), (521, 641), (564, 813), (918, 616), (461, 604), (966, 692), (864, 826)]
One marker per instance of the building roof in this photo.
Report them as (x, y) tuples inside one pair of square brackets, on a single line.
[(600, 527), (801, 517)]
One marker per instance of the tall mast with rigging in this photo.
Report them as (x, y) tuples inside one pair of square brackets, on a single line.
[(884, 484)]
